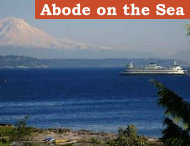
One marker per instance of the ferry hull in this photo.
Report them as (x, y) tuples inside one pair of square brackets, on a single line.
[(154, 69)]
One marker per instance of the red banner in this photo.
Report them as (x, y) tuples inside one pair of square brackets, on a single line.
[(112, 9)]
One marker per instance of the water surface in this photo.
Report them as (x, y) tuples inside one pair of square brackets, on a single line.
[(97, 99)]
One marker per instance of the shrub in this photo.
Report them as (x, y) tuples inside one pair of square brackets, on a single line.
[(21, 130), (95, 141), (129, 137), (4, 144)]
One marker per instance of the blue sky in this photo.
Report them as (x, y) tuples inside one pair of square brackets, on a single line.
[(155, 37)]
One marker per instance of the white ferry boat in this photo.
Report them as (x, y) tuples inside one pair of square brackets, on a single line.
[(154, 69)]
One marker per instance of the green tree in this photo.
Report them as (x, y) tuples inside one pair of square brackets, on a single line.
[(129, 137), (21, 130), (177, 117)]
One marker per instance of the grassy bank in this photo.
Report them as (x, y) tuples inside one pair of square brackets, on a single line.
[(34, 136)]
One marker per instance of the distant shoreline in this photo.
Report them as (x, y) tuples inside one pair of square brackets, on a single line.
[(31, 62)]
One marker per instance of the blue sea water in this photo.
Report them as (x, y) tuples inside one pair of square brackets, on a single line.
[(97, 99)]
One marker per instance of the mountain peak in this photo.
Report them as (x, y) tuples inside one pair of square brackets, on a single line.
[(17, 32), (13, 20)]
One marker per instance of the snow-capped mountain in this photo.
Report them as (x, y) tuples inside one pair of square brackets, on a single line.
[(17, 32)]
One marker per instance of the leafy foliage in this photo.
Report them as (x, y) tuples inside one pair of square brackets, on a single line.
[(175, 108), (95, 141), (129, 137), (21, 130), (5, 132), (4, 144)]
